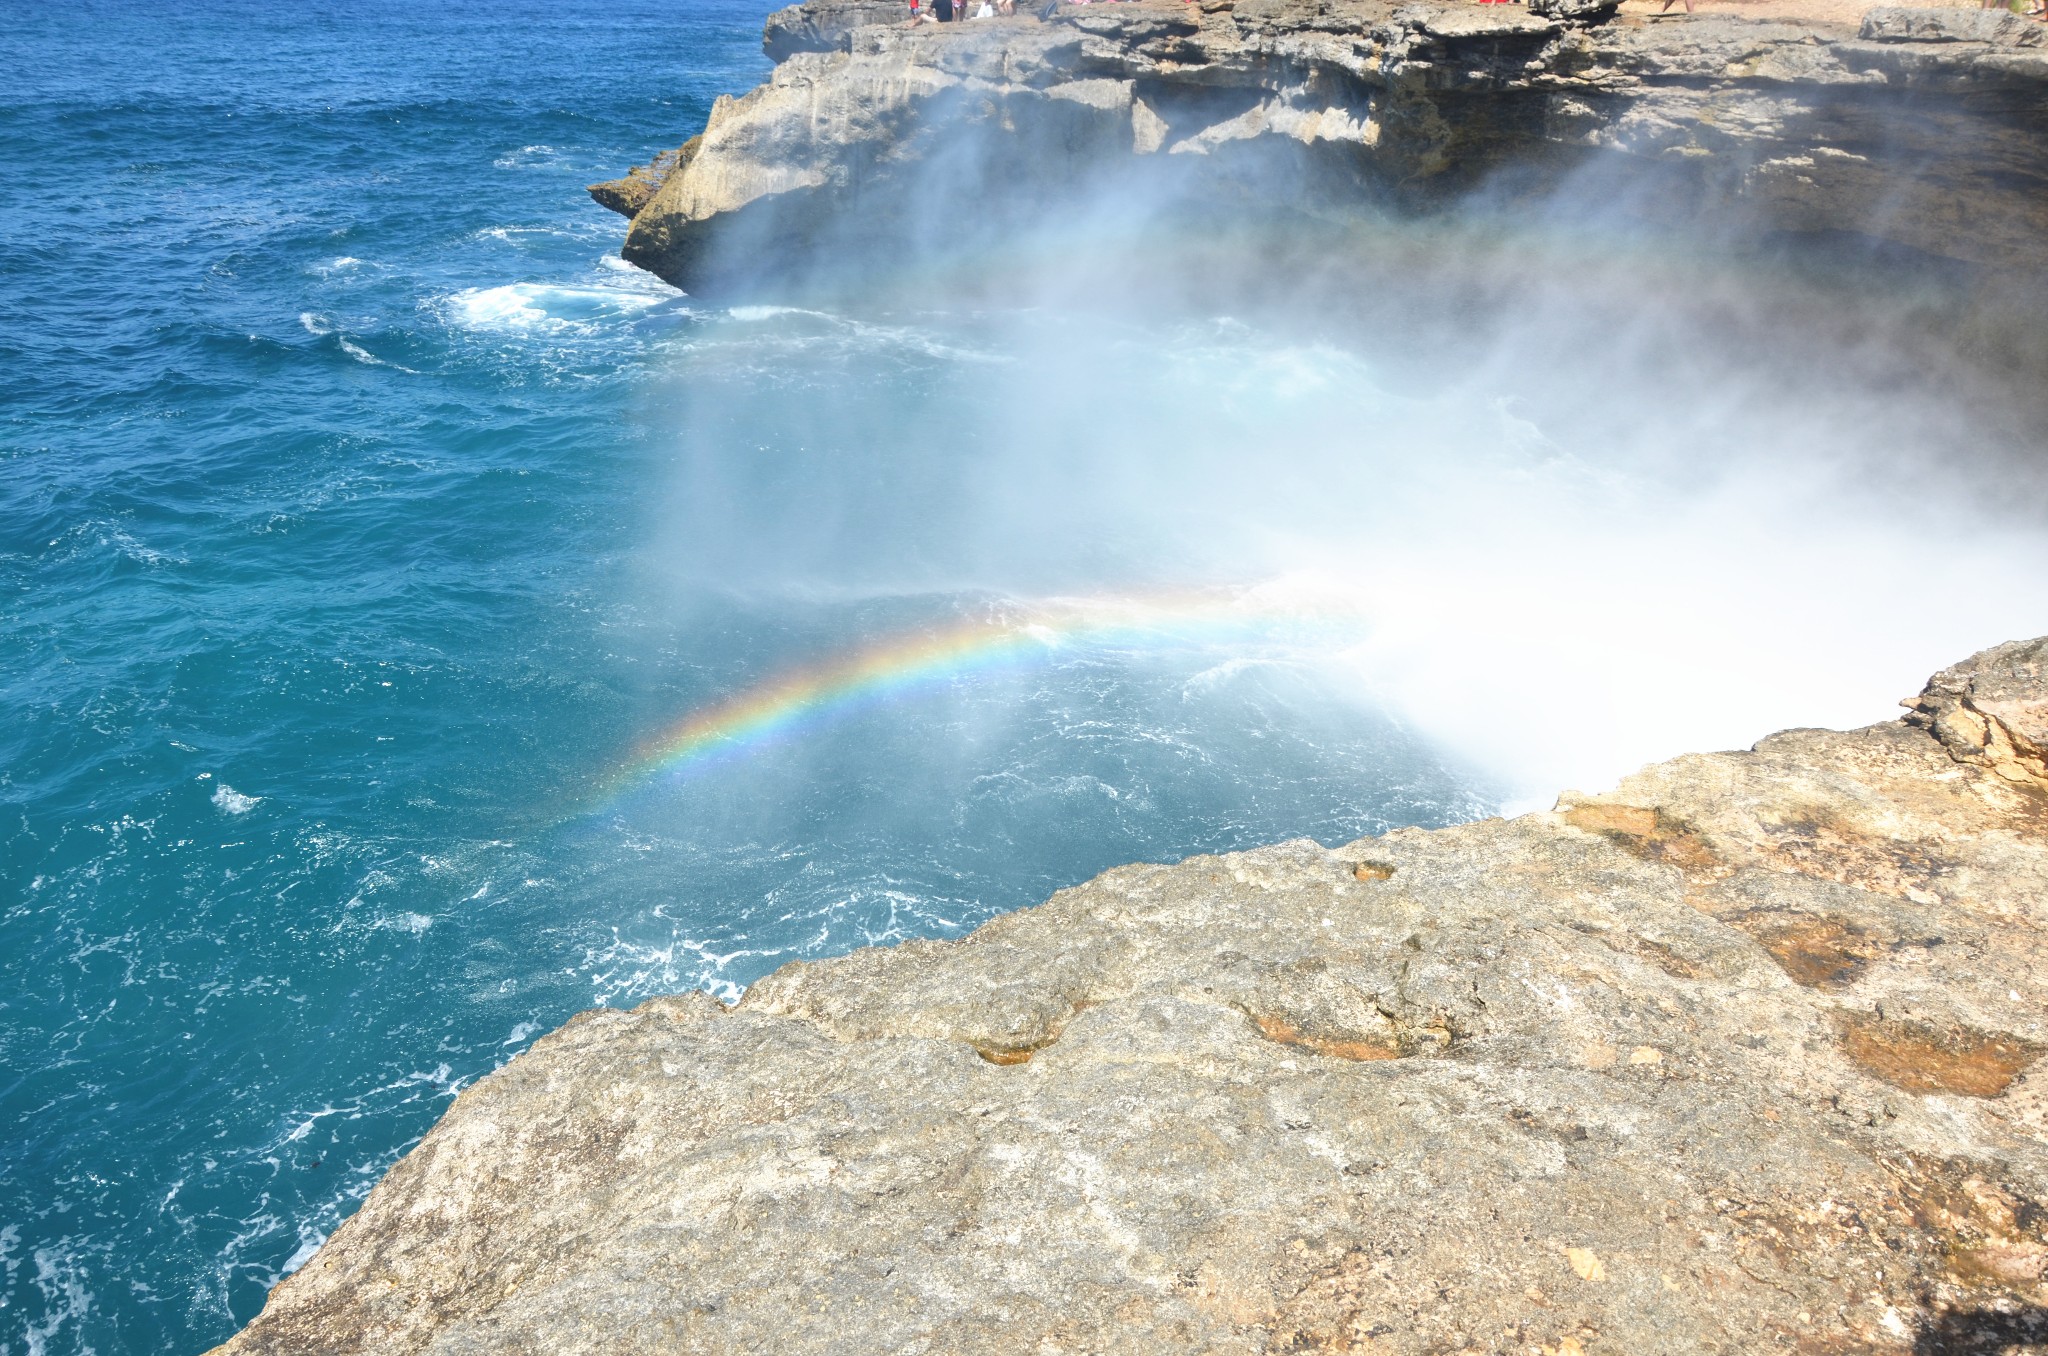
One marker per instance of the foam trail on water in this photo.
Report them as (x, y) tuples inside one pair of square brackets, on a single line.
[(549, 306)]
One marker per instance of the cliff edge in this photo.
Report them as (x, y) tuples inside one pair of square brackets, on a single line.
[(1922, 128), (1740, 1056)]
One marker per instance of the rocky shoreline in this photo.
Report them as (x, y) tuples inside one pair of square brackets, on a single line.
[(1740, 1056), (1923, 128)]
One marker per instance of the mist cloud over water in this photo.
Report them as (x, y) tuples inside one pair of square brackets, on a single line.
[(1587, 506)]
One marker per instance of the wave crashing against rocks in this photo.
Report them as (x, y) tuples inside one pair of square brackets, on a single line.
[(1742, 1054)]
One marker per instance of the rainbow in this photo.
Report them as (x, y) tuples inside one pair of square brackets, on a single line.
[(800, 699)]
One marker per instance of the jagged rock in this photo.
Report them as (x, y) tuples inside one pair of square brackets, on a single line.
[(1998, 27), (629, 194), (1740, 1056), (825, 25), (1993, 711), (1576, 11), (1928, 129)]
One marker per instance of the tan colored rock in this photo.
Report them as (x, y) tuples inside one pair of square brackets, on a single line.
[(1915, 128), (1993, 711), (1257, 1103), (637, 188)]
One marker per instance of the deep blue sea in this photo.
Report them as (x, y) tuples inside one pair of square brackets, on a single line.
[(365, 523)]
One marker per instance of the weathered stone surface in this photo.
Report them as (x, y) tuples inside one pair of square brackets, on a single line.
[(823, 25), (1580, 11), (1743, 1055), (627, 195), (1928, 128), (1993, 711)]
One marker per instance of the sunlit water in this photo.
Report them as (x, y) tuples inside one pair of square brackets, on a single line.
[(365, 523)]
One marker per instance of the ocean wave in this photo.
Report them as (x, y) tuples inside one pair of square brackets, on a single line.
[(1220, 675), (234, 802), (321, 327), (552, 308), (369, 359), (569, 230), (527, 157), (86, 540), (859, 336), (747, 314), (633, 273)]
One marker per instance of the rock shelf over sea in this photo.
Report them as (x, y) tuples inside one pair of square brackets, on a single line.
[(1921, 128), (1742, 1055)]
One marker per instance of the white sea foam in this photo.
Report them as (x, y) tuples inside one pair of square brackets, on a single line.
[(750, 345), (232, 801), (1219, 675), (632, 970), (548, 308), (635, 277), (125, 545), (59, 1278), (525, 156), (754, 313), (369, 359), (597, 230), (309, 1243)]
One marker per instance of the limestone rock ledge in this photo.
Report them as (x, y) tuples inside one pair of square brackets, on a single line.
[(1927, 128), (1741, 1056)]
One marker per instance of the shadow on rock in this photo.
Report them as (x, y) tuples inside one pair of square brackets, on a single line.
[(1970, 1331)]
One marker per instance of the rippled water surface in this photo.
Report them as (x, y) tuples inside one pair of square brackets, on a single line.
[(361, 519)]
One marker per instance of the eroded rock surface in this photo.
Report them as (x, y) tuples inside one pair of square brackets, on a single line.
[(1927, 128), (1741, 1056)]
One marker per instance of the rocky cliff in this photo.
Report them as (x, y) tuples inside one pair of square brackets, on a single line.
[(1926, 128), (1740, 1056)]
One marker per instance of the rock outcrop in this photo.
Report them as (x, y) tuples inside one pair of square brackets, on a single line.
[(1927, 129), (1740, 1056), (633, 190)]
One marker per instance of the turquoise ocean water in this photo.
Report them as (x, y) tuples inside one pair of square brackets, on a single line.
[(361, 515)]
